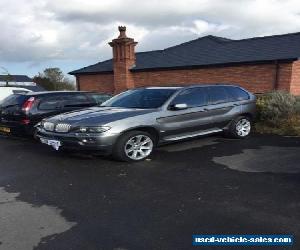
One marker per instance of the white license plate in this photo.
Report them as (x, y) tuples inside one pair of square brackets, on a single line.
[(54, 143)]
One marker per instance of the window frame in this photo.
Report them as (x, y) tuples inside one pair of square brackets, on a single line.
[(230, 90), (226, 92), (89, 101), (45, 98), (170, 103)]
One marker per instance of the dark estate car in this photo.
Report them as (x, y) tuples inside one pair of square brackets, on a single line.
[(131, 124), (20, 112)]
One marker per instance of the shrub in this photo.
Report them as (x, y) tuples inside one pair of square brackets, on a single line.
[(275, 107), (298, 105)]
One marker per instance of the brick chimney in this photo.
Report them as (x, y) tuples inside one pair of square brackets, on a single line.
[(123, 60)]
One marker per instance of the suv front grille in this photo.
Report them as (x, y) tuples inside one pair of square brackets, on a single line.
[(62, 128)]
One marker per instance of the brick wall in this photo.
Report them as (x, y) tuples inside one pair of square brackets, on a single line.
[(295, 81), (256, 78), (123, 78), (284, 76), (101, 83)]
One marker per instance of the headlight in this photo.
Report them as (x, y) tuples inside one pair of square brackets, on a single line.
[(100, 129)]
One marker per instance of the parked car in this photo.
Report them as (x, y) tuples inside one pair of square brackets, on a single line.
[(131, 124), (20, 112), (7, 91)]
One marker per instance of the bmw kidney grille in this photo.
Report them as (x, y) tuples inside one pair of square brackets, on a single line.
[(62, 128)]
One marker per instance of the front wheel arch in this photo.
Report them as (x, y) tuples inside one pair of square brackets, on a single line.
[(151, 130)]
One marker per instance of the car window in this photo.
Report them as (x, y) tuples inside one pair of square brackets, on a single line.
[(193, 97), (50, 103), (218, 94), (238, 94), (78, 100), (100, 98), (14, 99)]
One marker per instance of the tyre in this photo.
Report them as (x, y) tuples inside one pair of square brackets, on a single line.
[(240, 127), (134, 146)]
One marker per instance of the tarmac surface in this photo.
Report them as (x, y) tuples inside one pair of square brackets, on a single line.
[(211, 185)]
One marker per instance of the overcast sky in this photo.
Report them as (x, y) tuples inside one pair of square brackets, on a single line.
[(74, 33)]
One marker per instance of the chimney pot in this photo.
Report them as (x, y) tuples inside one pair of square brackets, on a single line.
[(122, 30)]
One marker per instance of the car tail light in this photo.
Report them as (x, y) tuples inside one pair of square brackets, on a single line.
[(28, 104)]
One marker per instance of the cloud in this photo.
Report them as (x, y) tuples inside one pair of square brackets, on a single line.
[(39, 31)]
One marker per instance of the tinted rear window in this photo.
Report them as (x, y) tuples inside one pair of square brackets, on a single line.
[(15, 99), (218, 94), (50, 103), (238, 94), (78, 100)]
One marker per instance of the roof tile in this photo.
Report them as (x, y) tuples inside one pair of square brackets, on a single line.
[(211, 50)]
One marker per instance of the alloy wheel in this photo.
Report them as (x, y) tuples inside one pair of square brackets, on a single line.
[(243, 127), (138, 147)]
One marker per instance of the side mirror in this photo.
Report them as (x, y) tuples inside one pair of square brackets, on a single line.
[(179, 106)]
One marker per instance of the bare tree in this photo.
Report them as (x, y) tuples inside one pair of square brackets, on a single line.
[(54, 79)]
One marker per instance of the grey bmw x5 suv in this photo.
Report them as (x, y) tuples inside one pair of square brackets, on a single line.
[(130, 125)]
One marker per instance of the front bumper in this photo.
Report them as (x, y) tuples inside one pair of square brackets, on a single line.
[(102, 143)]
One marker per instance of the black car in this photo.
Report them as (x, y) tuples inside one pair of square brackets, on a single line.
[(19, 113)]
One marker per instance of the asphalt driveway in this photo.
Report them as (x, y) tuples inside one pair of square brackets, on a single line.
[(52, 200)]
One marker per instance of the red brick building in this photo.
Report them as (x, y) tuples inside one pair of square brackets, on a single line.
[(258, 64)]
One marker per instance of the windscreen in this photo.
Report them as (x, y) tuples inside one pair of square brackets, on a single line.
[(141, 98), (100, 98)]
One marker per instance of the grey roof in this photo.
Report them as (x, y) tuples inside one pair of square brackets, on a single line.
[(16, 78), (211, 50)]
